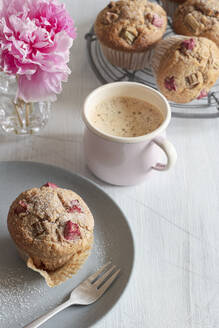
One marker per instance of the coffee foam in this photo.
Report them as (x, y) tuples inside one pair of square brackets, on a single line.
[(126, 117)]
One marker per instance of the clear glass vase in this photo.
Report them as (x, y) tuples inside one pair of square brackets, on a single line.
[(17, 116)]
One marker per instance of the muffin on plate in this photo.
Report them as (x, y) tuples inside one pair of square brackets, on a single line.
[(198, 18), (186, 68), (53, 230), (171, 5), (128, 29)]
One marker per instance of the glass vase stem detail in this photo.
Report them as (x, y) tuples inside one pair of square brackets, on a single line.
[(16, 115)]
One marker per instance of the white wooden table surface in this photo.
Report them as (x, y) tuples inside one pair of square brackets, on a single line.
[(174, 216)]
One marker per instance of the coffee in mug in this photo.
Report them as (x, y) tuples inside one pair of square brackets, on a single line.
[(126, 117), (125, 132)]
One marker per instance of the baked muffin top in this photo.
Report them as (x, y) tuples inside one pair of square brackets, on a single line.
[(198, 18), (188, 69), (130, 25), (51, 220)]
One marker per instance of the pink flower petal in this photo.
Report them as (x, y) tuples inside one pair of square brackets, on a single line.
[(8, 63), (29, 69), (63, 43), (43, 86)]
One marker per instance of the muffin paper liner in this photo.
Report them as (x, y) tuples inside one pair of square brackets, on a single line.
[(127, 60), (170, 7), (56, 277)]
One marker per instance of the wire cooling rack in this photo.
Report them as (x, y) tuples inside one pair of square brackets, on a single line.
[(207, 107)]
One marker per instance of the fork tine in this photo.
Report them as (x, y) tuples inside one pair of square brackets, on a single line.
[(97, 273), (104, 276), (109, 282)]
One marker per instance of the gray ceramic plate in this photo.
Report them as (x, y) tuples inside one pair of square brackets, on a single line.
[(23, 293)]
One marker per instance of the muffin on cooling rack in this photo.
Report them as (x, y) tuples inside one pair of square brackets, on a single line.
[(198, 18), (128, 29), (186, 68), (53, 229), (171, 5)]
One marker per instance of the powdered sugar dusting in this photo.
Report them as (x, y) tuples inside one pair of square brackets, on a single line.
[(24, 294), (18, 294), (101, 248)]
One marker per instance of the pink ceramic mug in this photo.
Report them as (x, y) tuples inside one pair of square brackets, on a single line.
[(122, 160)]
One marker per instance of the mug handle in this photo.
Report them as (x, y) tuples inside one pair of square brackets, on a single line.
[(170, 152)]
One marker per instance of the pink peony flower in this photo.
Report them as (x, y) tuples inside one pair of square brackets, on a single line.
[(35, 39)]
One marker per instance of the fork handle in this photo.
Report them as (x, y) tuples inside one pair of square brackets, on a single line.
[(38, 322)]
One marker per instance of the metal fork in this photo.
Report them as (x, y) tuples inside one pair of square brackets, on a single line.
[(88, 292)]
